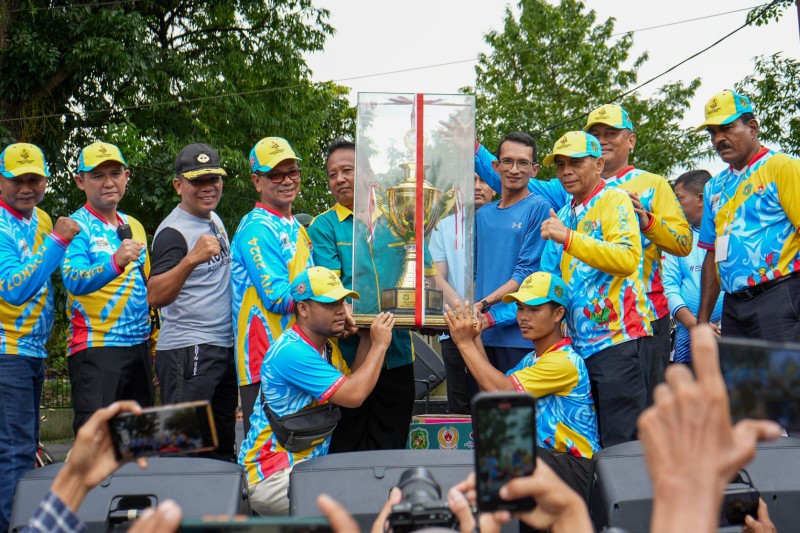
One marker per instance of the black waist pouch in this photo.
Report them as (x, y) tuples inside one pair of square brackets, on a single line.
[(306, 428)]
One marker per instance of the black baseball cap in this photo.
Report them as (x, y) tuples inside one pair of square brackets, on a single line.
[(197, 160)]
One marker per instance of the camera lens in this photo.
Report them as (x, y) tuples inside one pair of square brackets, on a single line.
[(418, 486)]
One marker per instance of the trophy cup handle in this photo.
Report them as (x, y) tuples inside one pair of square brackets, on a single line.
[(450, 201)]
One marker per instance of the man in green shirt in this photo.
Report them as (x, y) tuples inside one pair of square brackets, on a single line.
[(382, 421)]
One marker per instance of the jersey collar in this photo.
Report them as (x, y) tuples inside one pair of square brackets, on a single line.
[(620, 174), (761, 153), (16, 214), (592, 195), (259, 205), (342, 212), (101, 217), (557, 346), (303, 336)]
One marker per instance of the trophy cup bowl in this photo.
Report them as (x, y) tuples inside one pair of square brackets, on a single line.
[(398, 204)]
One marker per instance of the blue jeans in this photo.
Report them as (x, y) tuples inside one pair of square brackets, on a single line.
[(21, 380)]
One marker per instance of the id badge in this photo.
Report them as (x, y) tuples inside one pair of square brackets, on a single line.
[(721, 248)]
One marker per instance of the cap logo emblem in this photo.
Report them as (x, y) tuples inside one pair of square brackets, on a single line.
[(301, 288), (203, 158), (24, 155), (558, 291), (563, 141), (595, 148), (102, 150), (713, 107), (602, 112)]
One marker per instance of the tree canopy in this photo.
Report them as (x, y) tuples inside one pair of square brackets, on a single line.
[(152, 76), (552, 64)]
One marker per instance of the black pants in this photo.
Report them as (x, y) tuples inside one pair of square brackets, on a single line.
[(773, 315), (382, 421), (103, 375), (203, 372), (248, 394), (505, 358), (654, 355), (461, 386), (618, 391)]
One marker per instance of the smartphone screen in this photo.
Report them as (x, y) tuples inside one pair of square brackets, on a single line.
[(763, 380), (504, 428), (165, 430)]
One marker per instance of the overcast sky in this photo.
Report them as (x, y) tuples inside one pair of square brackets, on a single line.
[(419, 36)]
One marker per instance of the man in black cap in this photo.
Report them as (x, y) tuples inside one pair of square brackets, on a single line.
[(190, 282)]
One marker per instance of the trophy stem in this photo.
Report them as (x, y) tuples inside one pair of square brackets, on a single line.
[(408, 280)]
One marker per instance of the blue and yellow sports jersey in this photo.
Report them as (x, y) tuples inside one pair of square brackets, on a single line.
[(29, 253), (757, 213), (601, 262), (268, 251), (668, 229), (106, 306), (295, 374), (565, 417)]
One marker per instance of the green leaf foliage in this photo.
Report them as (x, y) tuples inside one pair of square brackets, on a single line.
[(153, 76), (552, 64), (773, 88)]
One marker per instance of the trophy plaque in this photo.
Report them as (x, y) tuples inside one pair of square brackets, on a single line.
[(414, 177)]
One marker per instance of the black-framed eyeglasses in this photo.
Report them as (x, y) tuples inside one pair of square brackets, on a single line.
[(523, 165), (278, 177)]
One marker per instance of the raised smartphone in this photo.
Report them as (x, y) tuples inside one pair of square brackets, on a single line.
[(504, 430), (165, 430)]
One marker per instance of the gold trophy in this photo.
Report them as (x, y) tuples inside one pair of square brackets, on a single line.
[(398, 204)]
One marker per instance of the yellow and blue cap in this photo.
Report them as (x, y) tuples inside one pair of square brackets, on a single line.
[(23, 158), (575, 144), (724, 108), (321, 285), (611, 115), (269, 152), (540, 288), (98, 153)]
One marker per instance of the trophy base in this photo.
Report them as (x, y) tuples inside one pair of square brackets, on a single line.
[(404, 322), (401, 301)]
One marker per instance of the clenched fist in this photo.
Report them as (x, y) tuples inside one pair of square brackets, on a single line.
[(66, 228), (206, 247), (127, 252), (553, 229)]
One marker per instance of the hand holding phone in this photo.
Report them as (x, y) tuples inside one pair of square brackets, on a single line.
[(165, 430), (504, 427)]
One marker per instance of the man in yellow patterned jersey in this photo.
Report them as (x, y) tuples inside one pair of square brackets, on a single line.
[(30, 250), (104, 272), (595, 245)]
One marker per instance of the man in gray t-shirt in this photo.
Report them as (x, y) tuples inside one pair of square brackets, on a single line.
[(190, 282)]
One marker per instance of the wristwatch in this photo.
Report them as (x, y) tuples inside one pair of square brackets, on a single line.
[(485, 305)]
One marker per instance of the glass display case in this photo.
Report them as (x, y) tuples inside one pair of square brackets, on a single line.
[(413, 206)]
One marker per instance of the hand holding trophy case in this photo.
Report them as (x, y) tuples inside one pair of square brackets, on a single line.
[(414, 176)]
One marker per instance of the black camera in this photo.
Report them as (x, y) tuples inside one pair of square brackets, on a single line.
[(422, 504), (740, 500)]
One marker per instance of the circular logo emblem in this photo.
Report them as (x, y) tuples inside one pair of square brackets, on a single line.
[(203, 158), (301, 289), (587, 226), (559, 291), (748, 188)]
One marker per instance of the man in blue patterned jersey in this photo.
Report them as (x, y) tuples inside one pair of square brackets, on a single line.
[(191, 282), (298, 371), (270, 247), (554, 373), (750, 229), (30, 250), (104, 272), (682, 274)]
